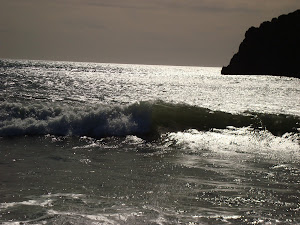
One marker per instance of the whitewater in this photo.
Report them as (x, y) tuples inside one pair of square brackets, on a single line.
[(91, 143)]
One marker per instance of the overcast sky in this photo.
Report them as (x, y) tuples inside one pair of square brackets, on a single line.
[(173, 32)]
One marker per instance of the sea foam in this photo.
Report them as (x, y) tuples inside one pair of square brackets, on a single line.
[(142, 118)]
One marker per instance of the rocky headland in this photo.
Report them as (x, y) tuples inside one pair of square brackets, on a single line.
[(271, 49)]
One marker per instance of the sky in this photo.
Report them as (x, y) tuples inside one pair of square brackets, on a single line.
[(164, 32)]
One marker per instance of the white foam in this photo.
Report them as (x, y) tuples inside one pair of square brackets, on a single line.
[(132, 139), (69, 195), (40, 202), (236, 141), (103, 218), (42, 119)]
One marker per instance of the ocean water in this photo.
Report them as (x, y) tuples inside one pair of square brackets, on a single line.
[(88, 143)]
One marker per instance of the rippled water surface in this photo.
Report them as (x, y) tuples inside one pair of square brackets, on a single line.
[(86, 143), (122, 84)]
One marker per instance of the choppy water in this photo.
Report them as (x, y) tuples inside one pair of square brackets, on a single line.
[(86, 143)]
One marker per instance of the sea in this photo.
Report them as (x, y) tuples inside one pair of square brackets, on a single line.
[(100, 143)]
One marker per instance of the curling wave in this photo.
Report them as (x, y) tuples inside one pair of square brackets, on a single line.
[(142, 119)]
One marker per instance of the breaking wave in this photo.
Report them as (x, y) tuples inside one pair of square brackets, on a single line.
[(141, 119)]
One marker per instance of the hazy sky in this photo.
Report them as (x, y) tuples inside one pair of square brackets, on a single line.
[(175, 32)]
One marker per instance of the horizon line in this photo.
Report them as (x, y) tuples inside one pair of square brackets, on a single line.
[(97, 62)]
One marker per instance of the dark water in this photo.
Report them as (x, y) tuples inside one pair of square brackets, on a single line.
[(127, 181), (125, 144)]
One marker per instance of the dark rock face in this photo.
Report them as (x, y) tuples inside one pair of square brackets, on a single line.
[(271, 49)]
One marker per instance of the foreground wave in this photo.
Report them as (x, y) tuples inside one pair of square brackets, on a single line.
[(147, 119)]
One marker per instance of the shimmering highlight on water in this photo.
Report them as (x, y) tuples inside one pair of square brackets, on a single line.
[(87, 143)]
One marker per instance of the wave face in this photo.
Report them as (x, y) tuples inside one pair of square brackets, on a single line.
[(143, 118)]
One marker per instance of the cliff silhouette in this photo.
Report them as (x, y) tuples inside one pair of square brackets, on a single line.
[(271, 49)]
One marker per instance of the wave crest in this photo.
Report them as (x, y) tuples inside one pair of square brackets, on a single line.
[(143, 118)]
